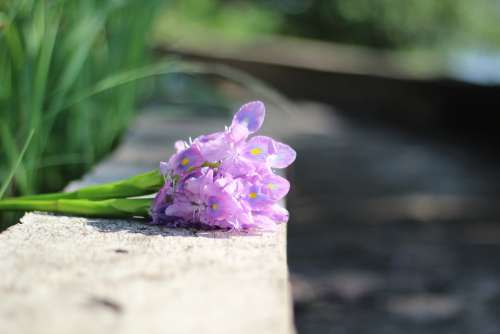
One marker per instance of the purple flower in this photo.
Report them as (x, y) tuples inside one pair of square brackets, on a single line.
[(225, 179), (187, 160)]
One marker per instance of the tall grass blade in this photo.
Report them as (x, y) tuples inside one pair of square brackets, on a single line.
[(16, 164), (123, 78)]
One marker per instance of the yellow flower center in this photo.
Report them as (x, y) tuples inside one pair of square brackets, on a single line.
[(255, 151), (185, 161), (215, 206), (252, 195)]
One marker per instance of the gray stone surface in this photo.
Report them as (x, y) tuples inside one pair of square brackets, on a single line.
[(75, 275)]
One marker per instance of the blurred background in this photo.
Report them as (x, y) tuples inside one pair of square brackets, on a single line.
[(393, 112)]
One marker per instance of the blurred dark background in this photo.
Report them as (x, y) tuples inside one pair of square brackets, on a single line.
[(395, 202)]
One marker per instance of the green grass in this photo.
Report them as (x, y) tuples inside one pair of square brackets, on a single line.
[(68, 70), (14, 168)]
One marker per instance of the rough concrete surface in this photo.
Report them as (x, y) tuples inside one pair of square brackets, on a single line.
[(75, 275)]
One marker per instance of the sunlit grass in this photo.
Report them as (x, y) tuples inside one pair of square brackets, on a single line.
[(63, 72), (51, 52)]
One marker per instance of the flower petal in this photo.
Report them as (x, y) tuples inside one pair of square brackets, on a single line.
[(264, 223), (188, 159), (180, 145), (213, 147), (276, 187), (196, 187), (251, 116), (258, 148), (283, 157), (257, 198), (180, 209), (221, 206), (278, 213), (237, 133)]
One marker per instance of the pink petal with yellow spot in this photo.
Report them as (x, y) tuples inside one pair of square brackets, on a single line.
[(188, 159), (276, 187), (221, 206), (257, 198), (258, 148)]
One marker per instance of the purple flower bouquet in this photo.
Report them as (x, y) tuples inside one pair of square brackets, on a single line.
[(221, 180)]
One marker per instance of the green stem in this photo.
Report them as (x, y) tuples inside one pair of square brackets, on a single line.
[(139, 185), (110, 208)]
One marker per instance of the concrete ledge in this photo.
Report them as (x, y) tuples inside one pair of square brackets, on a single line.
[(75, 275)]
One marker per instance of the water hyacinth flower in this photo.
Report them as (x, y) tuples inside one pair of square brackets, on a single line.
[(226, 179), (222, 180)]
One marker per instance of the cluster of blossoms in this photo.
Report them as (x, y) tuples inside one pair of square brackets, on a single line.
[(225, 179)]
